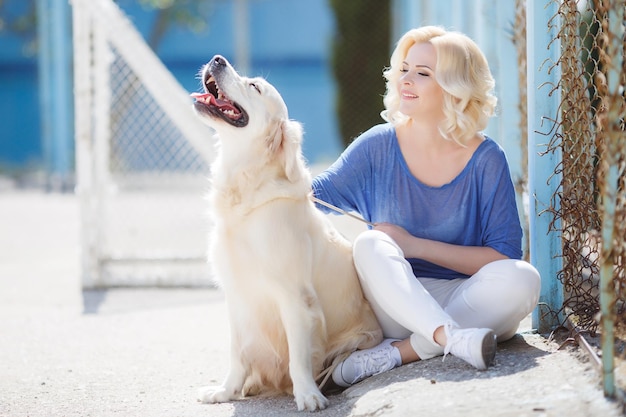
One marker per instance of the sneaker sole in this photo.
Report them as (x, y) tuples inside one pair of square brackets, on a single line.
[(489, 349)]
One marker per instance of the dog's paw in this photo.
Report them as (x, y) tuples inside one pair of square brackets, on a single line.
[(218, 394), (311, 400)]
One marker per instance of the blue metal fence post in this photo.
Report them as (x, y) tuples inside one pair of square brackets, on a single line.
[(543, 49), (44, 84), (616, 149), (55, 86)]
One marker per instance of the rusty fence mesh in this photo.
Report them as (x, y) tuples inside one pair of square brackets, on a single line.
[(590, 136), (591, 143)]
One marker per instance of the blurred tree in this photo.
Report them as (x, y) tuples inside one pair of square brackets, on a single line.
[(191, 14), (361, 51), (19, 17)]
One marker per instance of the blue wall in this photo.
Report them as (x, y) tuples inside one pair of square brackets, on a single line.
[(20, 145), (292, 53)]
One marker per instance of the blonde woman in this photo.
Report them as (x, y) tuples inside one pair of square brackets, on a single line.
[(441, 267)]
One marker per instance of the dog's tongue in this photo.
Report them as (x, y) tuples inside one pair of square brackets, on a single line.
[(210, 100), (206, 98)]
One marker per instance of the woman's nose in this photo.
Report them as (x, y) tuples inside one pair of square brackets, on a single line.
[(406, 78)]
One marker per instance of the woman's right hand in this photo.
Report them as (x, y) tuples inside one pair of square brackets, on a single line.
[(404, 239)]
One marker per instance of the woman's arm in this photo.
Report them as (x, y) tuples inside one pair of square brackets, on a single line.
[(464, 259), (347, 182)]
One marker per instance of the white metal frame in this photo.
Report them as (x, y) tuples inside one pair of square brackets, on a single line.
[(99, 25)]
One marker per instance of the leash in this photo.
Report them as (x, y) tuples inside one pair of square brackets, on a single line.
[(338, 210)]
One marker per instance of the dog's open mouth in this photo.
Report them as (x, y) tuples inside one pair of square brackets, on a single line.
[(214, 102)]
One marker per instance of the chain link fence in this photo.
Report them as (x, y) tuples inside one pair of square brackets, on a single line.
[(589, 208), (152, 220), (144, 141), (591, 139)]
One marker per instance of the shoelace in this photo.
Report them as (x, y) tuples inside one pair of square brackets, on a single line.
[(380, 360), (457, 338)]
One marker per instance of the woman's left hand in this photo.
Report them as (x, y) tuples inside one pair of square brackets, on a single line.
[(465, 259)]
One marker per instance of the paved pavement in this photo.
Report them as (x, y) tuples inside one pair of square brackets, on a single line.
[(144, 352)]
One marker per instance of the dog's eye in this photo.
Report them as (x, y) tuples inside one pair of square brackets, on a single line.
[(256, 87)]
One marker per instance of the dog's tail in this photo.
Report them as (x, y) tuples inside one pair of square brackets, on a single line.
[(342, 348), (324, 376)]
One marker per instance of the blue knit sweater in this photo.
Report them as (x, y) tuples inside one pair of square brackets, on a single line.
[(477, 208)]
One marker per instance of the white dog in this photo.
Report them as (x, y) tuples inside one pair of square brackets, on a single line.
[(293, 296)]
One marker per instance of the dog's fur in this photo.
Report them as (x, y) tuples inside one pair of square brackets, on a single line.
[(293, 296)]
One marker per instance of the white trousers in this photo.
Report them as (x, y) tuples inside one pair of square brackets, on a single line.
[(498, 296)]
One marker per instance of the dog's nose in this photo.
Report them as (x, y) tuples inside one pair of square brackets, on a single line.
[(219, 60)]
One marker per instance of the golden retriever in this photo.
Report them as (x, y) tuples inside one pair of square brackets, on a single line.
[(292, 293)]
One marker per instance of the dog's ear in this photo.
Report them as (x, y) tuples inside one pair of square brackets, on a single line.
[(285, 144), (292, 150)]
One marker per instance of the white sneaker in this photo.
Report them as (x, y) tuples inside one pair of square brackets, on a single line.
[(367, 362), (475, 346)]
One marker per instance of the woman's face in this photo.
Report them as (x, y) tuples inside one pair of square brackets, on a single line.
[(421, 97)]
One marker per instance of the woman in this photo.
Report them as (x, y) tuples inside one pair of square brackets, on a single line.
[(441, 267)]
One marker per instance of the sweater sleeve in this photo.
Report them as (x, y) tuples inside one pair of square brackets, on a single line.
[(347, 182), (501, 229)]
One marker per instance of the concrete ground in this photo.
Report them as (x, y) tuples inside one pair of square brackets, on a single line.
[(144, 352)]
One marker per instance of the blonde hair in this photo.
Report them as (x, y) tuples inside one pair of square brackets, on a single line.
[(462, 72)]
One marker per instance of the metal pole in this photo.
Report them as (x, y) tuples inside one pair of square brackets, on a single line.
[(543, 49), (55, 89), (607, 288), (615, 149), (62, 94), (83, 86), (44, 73), (241, 33)]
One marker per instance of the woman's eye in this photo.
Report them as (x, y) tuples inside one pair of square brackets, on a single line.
[(256, 87), (423, 74)]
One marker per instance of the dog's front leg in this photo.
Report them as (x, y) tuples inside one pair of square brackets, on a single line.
[(233, 384), (299, 319)]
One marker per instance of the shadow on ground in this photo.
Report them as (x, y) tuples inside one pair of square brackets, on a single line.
[(514, 357), (125, 300)]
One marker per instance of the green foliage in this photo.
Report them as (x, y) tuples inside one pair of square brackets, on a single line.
[(360, 52), (20, 19), (189, 14)]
